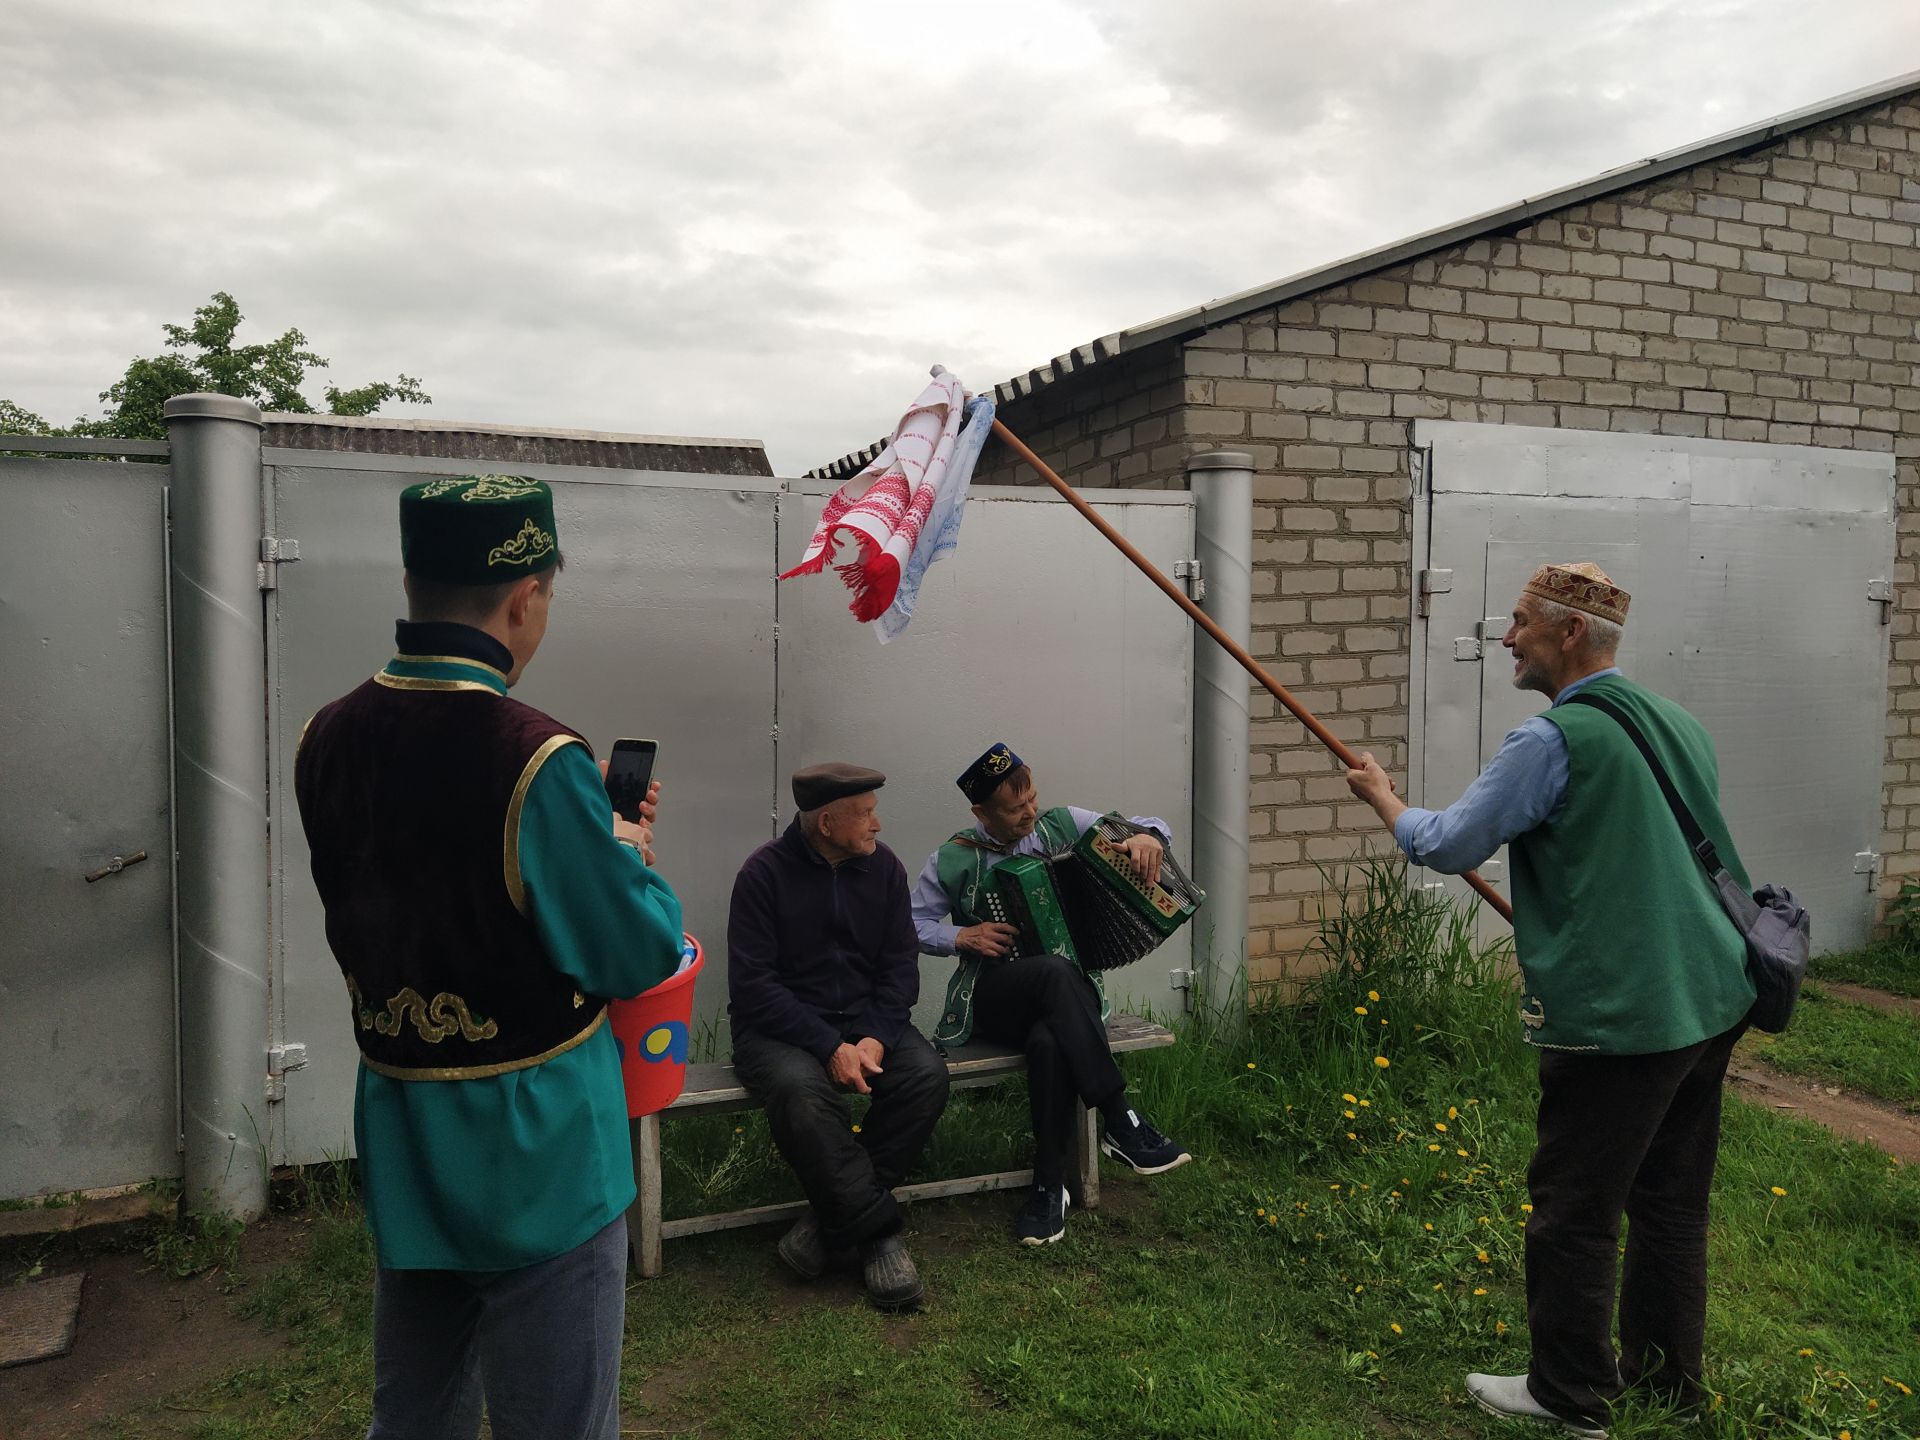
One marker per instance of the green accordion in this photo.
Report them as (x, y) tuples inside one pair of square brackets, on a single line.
[(1086, 903)]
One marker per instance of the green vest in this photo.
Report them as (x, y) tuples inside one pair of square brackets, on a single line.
[(961, 866), (1623, 946)]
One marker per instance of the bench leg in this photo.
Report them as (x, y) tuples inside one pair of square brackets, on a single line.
[(643, 1216), (1086, 1158)]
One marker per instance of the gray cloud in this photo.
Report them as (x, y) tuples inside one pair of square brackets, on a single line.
[(767, 219)]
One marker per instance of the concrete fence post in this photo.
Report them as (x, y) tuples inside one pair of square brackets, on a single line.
[(1222, 486), (220, 765)]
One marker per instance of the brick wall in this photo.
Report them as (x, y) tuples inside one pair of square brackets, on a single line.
[(1765, 297)]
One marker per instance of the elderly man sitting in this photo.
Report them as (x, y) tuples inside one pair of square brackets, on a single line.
[(822, 971)]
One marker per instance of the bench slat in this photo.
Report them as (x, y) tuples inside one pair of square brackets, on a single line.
[(711, 1089)]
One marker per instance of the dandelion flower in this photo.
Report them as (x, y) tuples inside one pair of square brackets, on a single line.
[(1433, 1149), (1334, 1186), (1261, 1213), (1252, 1066), (1348, 1113), (1441, 1126), (1480, 1290), (1526, 1209), (1428, 1227), (1481, 1256), (1461, 1153), (1351, 1100), (1394, 1193), (1499, 1327), (1358, 1288), (1366, 1104), (1438, 1286), (1395, 1327), (856, 1129), (1273, 1219), (739, 1130), (1352, 1136), (1359, 1009), (1374, 996), (1872, 1405), (1777, 1190), (1381, 1061)]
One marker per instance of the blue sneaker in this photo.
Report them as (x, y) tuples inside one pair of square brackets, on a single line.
[(1043, 1219), (1143, 1148)]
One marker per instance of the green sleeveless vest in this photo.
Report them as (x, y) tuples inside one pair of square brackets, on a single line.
[(1623, 946), (961, 868)]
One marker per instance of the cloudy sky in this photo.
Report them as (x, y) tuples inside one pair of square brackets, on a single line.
[(732, 217)]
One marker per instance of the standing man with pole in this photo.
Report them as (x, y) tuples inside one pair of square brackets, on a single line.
[(483, 903), (1635, 990)]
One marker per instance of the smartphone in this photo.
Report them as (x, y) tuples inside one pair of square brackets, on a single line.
[(629, 772)]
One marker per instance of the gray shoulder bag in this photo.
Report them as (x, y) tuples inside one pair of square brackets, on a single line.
[(1775, 926)]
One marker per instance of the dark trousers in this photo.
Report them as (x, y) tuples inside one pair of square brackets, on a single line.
[(1622, 1134), (848, 1178), (542, 1342), (1047, 1005)]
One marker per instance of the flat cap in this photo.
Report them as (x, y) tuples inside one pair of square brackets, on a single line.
[(819, 785)]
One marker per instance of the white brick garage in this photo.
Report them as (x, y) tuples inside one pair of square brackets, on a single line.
[(1760, 287)]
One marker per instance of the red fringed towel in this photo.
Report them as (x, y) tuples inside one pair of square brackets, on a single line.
[(884, 508)]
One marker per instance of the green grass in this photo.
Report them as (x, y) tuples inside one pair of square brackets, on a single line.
[(1328, 1268), (1869, 1051), (1885, 965)]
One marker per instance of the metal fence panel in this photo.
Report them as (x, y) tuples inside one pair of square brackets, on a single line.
[(1036, 632), (86, 971), (663, 627)]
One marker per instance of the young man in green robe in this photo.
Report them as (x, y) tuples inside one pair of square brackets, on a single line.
[(1045, 1004), (483, 903), (1635, 990)]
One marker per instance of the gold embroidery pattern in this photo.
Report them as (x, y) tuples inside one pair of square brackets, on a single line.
[(502, 487), (434, 489), (360, 1004), (531, 544), (482, 1072), (434, 1020), (999, 760), (414, 682)]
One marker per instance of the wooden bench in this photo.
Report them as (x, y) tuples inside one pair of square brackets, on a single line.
[(713, 1090)]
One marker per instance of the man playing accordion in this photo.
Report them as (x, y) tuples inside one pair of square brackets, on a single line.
[(1046, 1004)]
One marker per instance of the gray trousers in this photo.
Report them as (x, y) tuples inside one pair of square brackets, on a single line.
[(541, 1343)]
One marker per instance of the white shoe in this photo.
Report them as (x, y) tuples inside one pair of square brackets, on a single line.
[(1508, 1396)]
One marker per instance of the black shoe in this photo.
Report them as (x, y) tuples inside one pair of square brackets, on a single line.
[(1043, 1219), (888, 1271), (804, 1248), (1143, 1147)]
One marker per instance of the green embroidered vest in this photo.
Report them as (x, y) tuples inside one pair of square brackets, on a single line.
[(961, 867), (1623, 946)]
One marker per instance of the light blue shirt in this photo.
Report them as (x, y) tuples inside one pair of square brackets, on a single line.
[(932, 905), (1524, 785)]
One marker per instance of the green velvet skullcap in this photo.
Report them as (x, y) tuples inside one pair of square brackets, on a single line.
[(478, 529)]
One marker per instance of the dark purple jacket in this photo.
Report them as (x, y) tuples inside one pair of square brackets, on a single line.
[(820, 954)]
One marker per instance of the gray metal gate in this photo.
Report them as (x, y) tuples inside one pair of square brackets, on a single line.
[(86, 970), (668, 625), (1753, 570)]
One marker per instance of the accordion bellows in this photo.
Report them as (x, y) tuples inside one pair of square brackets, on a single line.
[(1086, 903)]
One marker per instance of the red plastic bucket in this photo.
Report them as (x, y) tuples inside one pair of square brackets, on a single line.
[(653, 1033)]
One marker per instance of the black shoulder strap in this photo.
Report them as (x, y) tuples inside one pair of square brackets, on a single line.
[(1697, 840)]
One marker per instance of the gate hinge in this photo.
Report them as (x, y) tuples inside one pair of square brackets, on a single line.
[(282, 1058), (1190, 571), (1433, 582), (1880, 592), (1182, 980), (275, 552)]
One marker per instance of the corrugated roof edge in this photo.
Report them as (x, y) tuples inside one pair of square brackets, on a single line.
[(1231, 307), (464, 427)]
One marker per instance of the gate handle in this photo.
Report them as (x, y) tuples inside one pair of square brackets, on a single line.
[(116, 865)]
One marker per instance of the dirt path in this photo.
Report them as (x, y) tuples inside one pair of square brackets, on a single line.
[(142, 1335), (1866, 995), (1853, 1117)]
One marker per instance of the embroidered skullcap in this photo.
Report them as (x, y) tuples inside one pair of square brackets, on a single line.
[(819, 785), (478, 529), (1581, 586), (983, 777)]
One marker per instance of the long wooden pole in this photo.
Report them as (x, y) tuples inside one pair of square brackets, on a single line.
[(1220, 637)]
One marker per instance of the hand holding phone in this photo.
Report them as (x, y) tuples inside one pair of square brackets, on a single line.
[(629, 773)]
